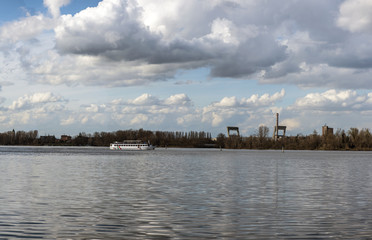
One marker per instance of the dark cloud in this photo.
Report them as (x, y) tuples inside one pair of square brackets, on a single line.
[(125, 39), (122, 37), (251, 56), (355, 52), (296, 42)]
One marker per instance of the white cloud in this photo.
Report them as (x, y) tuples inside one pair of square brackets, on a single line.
[(224, 30), (144, 99), (232, 111), (121, 35), (28, 101), (55, 5), (178, 113), (253, 101), (70, 120), (178, 99), (25, 28), (264, 100), (34, 111), (291, 123), (95, 108), (334, 100), (139, 119), (227, 102), (189, 119), (217, 119), (355, 16)]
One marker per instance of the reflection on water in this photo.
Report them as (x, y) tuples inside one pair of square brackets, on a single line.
[(94, 193)]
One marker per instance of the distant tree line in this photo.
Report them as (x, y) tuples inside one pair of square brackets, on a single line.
[(19, 138), (157, 138), (353, 139)]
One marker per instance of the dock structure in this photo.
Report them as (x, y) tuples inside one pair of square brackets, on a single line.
[(277, 128), (236, 129)]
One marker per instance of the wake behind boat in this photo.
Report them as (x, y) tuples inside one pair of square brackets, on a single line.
[(136, 145)]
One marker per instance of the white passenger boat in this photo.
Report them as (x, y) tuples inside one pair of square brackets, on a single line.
[(131, 145)]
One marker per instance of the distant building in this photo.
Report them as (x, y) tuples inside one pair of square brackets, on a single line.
[(65, 138), (326, 131)]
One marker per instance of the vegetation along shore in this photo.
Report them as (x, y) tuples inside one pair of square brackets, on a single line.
[(352, 139)]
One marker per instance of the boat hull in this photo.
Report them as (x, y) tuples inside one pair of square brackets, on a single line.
[(131, 147)]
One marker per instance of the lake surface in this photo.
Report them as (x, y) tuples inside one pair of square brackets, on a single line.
[(97, 193)]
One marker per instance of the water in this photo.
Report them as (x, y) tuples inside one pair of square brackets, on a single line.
[(95, 193)]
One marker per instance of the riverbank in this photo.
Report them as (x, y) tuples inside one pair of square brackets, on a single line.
[(354, 139)]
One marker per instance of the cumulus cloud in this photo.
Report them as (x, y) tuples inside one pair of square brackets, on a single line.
[(144, 99), (334, 100), (264, 100), (139, 119), (25, 28), (34, 110), (137, 42), (178, 99), (149, 100), (178, 113), (119, 35), (234, 111), (253, 101), (95, 108), (355, 16), (122, 34), (28, 101), (151, 110)]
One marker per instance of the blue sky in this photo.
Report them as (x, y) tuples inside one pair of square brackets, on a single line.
[(69, 66)]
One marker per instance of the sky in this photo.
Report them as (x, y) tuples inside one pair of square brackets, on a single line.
[(71, 66)]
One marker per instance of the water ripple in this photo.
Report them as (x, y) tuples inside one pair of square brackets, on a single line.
[(93, 193)]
